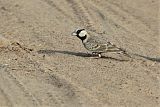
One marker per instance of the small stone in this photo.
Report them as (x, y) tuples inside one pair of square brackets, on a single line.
[(3, 8)]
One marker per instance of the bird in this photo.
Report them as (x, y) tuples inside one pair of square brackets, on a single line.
[(95, 44)]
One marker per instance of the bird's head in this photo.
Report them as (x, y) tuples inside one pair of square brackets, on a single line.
[(80, 33)]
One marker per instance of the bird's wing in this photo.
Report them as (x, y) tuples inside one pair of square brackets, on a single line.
[(102, 44), (105, 47), (112, 48)]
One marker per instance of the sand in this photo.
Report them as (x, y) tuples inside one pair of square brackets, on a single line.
[(42, 65)]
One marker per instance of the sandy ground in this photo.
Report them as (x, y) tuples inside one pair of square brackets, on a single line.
[(42, 65)]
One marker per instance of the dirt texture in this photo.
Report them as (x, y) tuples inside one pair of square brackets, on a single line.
[(42, 65)]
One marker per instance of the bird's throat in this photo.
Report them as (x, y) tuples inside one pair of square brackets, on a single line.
[(83, 38)]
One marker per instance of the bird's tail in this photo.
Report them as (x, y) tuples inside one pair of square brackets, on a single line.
[(114, 48)]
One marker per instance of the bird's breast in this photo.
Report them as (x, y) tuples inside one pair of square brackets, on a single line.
[(90, 46)]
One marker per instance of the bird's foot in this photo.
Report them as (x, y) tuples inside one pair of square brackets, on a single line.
[(96, 57), (94, 53), (99, 55)]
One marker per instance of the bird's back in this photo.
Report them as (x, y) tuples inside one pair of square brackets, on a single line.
[(100, 44), (95, 44)]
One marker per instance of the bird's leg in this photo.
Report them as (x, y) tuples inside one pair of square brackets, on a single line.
[(95, 53), (99, 55)]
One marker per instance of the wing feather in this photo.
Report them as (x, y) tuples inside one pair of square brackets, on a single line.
[(96, 44)]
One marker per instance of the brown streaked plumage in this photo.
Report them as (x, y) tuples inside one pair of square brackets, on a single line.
[(95, 44)]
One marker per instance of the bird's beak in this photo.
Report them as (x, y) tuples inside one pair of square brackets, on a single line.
[(74, 34)]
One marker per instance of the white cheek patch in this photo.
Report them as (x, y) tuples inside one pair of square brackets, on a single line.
[(82, 33)]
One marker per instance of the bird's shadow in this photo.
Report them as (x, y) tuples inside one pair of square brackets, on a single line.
[(79, 54), (149, 58)]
